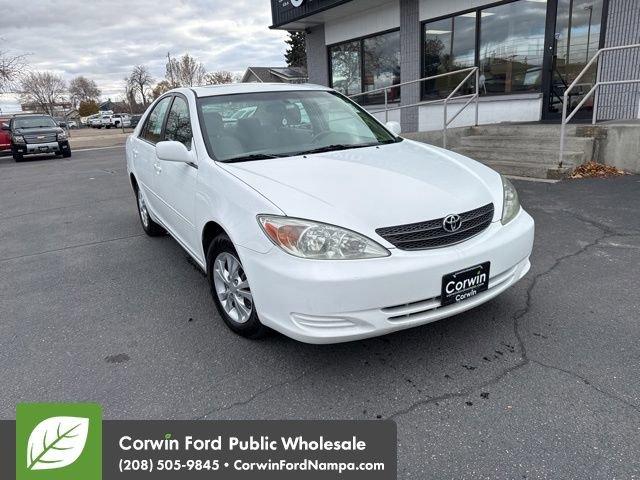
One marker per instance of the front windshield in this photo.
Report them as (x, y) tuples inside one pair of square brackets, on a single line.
[(256, 126), (34, 122)]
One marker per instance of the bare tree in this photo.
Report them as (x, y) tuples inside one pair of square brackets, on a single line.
[(11, 68), (81, 89), (140, 81), (185, 71), (217, 78), (43, 89), (161, 88)]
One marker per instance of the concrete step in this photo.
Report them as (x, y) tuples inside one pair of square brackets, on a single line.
[(523, 130), (530, 170), (575, 144), (527, 155)]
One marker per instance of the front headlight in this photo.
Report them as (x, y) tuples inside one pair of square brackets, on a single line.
[(18, 139), (320, 241), (62, 136), (511, 203)]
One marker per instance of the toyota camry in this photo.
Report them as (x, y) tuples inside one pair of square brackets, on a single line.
[(312, 218)]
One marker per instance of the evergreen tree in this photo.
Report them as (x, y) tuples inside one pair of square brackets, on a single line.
[(296, 54)]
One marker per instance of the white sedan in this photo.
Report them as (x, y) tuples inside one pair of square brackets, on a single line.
[(312, 218)]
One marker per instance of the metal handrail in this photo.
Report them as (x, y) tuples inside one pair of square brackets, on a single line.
[(595, 89), (447, 121)]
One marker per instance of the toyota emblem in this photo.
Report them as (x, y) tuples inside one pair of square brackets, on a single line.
[(452, 223)]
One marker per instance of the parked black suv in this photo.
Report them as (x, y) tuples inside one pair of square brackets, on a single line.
[(36, 134)]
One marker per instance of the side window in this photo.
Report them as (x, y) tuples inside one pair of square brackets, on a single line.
[(178, 123), (152, 130)]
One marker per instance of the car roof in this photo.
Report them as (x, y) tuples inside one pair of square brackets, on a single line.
[(31, 115), (235, 88)]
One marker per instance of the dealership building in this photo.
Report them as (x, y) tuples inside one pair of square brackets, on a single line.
[(526, 52)]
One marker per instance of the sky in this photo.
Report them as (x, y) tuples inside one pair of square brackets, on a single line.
[(102, 40)]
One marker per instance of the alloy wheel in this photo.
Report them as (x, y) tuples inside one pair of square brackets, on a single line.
[(144, 213), (232, 287)]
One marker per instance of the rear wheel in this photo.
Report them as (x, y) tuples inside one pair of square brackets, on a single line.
[(150, 227), (230, 289)]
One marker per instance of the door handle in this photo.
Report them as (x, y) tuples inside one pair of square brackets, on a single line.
[(157, 167)]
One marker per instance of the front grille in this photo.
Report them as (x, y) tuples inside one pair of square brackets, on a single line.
[(44, 138), (431, 234)]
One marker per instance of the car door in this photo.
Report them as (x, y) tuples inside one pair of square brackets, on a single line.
[(144, 154), (176, 182)]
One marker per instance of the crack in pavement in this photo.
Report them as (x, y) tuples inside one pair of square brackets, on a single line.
[(71, 247), (587, 382), (607, 232), (259, 393)]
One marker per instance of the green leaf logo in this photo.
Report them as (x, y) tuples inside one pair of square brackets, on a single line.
[(57, 442)]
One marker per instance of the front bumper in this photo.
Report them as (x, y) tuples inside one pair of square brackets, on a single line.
[(35, 148), (339, 301)]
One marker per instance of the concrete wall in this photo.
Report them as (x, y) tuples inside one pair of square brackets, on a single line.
[(367, 22), (623, 28), (317, 61), (621, 147), (491, 110), (394, 115)]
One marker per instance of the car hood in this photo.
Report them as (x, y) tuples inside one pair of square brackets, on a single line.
[(368, 188)]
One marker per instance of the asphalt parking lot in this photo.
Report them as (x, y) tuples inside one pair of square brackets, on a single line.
[(542, 382)]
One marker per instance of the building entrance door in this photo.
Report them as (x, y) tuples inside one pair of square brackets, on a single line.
[(573, 38)]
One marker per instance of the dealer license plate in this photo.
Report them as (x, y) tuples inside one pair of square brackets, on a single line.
[(465, 284)]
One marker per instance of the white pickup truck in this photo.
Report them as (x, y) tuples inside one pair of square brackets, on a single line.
[(117, 120)]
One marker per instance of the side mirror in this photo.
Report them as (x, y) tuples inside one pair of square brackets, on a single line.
[(394, 127), (5, 126), (62, 125), (173, 152)]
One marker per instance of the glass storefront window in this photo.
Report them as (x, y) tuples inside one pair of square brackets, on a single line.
[(345, 68), (510, 50), (382, 66), (512, 47), (449, 45), (365, 65)]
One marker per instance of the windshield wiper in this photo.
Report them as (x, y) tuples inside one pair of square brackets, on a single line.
[(333, 148), (253, 156)]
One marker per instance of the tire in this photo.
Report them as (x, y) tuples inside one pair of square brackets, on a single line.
[(108, 127), (17, 156), (66, 153), (150, 227), (220, 255)]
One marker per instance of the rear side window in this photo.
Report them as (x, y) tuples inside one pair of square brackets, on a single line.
[(178, 123), (152, 131)]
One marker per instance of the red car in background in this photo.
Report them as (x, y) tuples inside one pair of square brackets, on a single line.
[(5, 135)]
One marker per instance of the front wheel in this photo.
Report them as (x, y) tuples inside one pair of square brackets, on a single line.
[(230, 289), (66, 153), (17, 156)]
